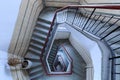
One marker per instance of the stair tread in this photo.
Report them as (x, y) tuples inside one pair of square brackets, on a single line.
[(112, 35), (43, 24), (32, 77), (40, 35), (42, 29), (102, 29), (109, 30), (115, 46), (36, 45), (32, 56), (34, 50), (116, 39), (43, 20), (38, 40), (35, 65), (35, 70)]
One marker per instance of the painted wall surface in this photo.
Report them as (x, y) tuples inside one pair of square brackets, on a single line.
[(8, 15)]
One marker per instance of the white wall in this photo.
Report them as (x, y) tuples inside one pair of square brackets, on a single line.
[(8, 15)]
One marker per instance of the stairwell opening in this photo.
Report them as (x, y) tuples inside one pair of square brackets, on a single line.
[(59, 60)]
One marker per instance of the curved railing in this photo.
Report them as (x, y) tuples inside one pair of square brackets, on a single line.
[(84, 25)]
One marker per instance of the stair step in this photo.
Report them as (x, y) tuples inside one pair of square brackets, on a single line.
[(43, 20), (50, 60), (38, 69), (37, 76), (94, 26), (117, 52), (115, 46), (36, 45), (43, 36), (37, 54), (89, 24), (33, 60), (35, 65), (38, 40), (34, 50), (52, 56), (42, 30), (98, 28), (36, 73), (112, 35), (114, 41), (54, 48), (117, 69), (53, 52), (43, 24), (102, 29), (32, 56)]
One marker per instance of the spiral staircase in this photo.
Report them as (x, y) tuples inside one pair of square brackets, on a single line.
[(104, 27)]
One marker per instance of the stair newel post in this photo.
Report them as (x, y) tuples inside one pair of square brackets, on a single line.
[(88, 18)]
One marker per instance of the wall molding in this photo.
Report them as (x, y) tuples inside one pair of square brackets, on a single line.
[(60, 3), (28, 13), (22, 32)]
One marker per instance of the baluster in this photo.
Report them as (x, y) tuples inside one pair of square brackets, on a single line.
[(98, 24), (90, 22), (74, 16), (103, 25), (89, 18), (110, 26), (95, 22)]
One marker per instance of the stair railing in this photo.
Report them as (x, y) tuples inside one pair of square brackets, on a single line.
[(85, 24)]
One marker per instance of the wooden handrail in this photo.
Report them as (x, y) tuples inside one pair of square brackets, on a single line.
[(96, 6)]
